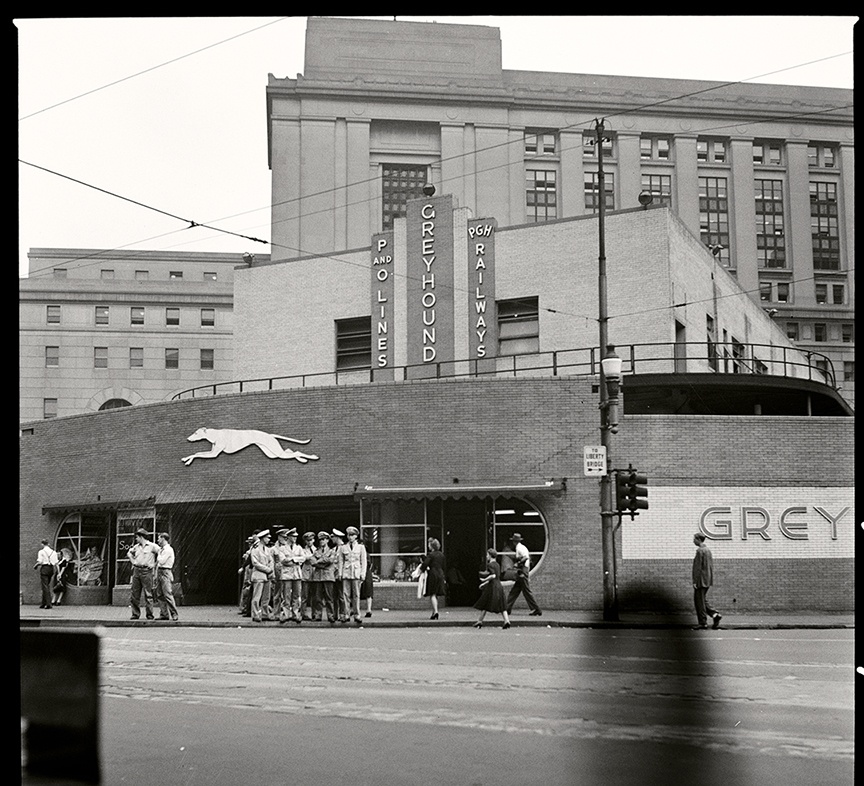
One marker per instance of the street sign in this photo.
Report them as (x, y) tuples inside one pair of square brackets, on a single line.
[(595, 460)]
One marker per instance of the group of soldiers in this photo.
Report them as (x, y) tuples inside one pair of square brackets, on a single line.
[(291, 581)]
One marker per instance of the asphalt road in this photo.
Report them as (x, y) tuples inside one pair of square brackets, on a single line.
[(460, 706)]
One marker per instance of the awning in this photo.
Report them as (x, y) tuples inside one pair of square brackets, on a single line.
[(123, 504), (459, 490)]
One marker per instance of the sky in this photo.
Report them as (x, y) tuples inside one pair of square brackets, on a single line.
[(139, 118)]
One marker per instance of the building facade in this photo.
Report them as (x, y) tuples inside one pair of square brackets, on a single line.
[(101, 329), (762, 173)]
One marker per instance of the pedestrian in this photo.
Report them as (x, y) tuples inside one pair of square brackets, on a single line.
[(323, 579), (246, 584), (353, 562), (143, 556), (703, 578), (306, 569), (64, 577), (165, 578), (262, 573), (46, 564), (337, 540), (492, 591), (434, 566), (291, 557), (521, 582), (367, 588)]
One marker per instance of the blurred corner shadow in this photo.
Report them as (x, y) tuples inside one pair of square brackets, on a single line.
[(59, 707)]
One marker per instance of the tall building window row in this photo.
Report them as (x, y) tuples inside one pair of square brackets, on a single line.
[(821, 155), (537, 143), (770, 228), (172, 357), (660, 188), (824, 226), (711, 151), (49, 408), (655, 148), (208, 359), (136, 357), (52, 315), (589, 145), (847, 333), (136, 315), (592, 191), (714, 216), (101, 315), (52, 357), (541, 197), (399, 183), (765, 152), (100, 357), (848, 370), (774, 292), (172, 316), (835, 294)]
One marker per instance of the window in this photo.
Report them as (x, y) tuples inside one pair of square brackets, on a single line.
[(848, 370), (654, 148), (515, 515), (208, 317), (52, 357), (714, 215), (83, 538), (820, 331), (142, 275), (209, 276), (767, 153), (128, 521), (49, 408), (589, 145), (592, 202), (136, 315), (770, 235), (821, 293), (792, 331), (824, 228), (782, 293), (821, 155), (115, 403), (399, 183), (711, 151), (765, 291), (540, 195), (207, 359), (106, 274), (660, 188), (136, 357), (846, 333), (100, 357), (172, 316), (354, 344), (53, 315), (711, 341), (537, 144), (101, 315), (776, 293), (60, 272), (518, 326), (838, 294), (175, 275), (172, 358)]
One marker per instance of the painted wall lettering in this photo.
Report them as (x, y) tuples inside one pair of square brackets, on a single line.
[(482, 319), (382, 300)]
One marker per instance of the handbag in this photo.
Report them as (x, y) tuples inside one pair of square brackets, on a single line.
[(421, 585), (416, 573)]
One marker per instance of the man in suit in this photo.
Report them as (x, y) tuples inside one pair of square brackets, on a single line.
[(703, 578)]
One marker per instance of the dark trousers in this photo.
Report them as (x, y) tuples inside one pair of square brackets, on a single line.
[(521, 584), (322, 597), (700, 601), (142, 581), (46, 573)]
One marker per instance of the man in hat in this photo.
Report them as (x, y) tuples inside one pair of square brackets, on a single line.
[(46, 563), (521, 582), (703, 578), (246, 571), (352, 563), (337, 539), (262, 572), (308, 546), (165, 578), (142, 555), (291, 557), (323, 578)]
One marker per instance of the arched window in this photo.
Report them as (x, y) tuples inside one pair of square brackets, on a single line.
[(115, 403), (509, 515), (85, 540)]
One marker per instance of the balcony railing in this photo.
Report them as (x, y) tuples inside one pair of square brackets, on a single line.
[(668, 358)]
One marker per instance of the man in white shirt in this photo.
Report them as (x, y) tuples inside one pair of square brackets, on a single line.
[(46, 563), (165, 578), (521, 583), (143, 558)]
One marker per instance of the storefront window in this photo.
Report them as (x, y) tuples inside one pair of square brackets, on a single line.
[(515, 515), (127, 522), (83, 539), (403, 528)]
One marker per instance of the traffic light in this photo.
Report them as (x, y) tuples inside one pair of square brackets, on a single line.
[(631, 491)]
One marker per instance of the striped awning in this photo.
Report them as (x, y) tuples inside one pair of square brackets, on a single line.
[(124, 504), (460, 490)]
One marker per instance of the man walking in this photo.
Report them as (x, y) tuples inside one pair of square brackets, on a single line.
[(165, 578), (46, 564), (143, 558), (703, 578), (521, 582)]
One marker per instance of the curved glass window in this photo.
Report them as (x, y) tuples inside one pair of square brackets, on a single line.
[(508, 516), (115, 403), (84, 539)]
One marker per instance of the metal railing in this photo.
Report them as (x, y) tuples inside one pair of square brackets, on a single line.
[(660, 357)]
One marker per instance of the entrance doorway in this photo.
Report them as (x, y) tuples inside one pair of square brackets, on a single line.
[(464, 528)]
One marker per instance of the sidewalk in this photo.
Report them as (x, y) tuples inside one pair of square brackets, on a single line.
[(227, 617)]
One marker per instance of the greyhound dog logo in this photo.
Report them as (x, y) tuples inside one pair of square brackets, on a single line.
[(229, 440)]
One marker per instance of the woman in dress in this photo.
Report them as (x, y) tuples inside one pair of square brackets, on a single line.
[(434, 566), (492, 596), (64, 576)]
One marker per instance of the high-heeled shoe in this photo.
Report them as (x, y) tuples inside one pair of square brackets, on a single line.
[(505, 626), (434, 616), (477, 625)]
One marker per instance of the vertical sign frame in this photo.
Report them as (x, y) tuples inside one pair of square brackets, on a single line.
[(482, 314), (382, 295)]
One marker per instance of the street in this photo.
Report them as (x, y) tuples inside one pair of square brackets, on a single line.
[(476, 707)]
